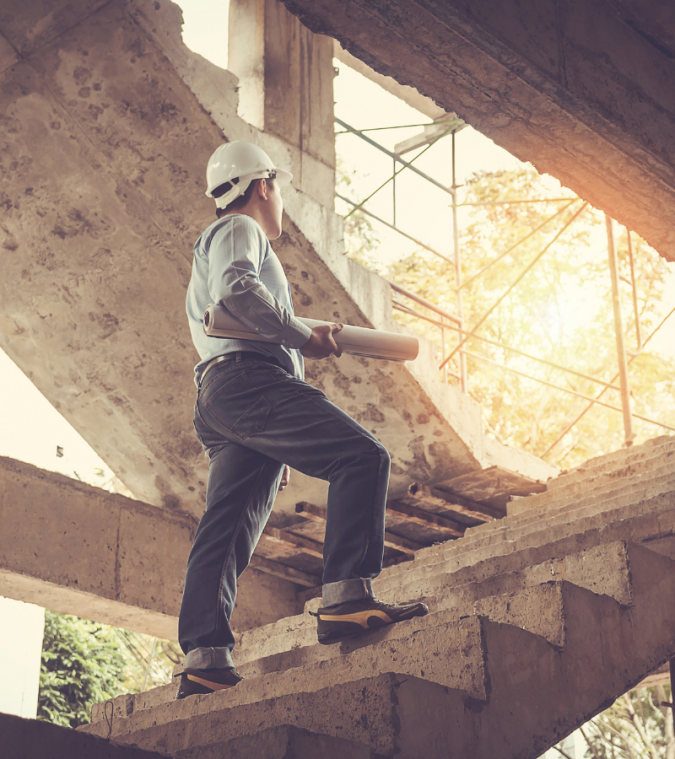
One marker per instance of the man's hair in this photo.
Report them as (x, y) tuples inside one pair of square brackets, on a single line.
[(239, 202)]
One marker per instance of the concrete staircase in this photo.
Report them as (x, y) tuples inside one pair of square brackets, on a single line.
[(537, 623)]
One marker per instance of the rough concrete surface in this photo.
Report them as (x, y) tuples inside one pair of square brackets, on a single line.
[(535, 694), (285, 742), (528, 597), (384, 714), (80, 550), (570, 86)]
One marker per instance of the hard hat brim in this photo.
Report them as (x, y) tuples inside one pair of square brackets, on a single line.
[(283, 177)]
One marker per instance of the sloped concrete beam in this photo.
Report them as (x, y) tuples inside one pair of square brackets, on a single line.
[(570, 86), (80, 550)]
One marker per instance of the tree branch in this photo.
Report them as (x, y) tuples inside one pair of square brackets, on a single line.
[(639, 726), (564, 753), (588, 743)]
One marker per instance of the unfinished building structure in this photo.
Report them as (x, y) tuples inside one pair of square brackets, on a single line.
[(541, 616)]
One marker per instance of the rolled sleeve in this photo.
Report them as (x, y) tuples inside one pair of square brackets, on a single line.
[(235, 259), (295, 334)]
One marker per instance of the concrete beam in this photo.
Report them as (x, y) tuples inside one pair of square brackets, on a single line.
[(579, 88), (80, 550)]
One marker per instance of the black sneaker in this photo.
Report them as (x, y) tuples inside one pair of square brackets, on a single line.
[(201, 681), (351, 618)]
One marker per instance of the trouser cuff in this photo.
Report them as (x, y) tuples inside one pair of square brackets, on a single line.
[(346, 590), (209, 658)]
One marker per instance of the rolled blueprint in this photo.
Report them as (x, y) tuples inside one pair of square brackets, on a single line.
[(359, 341)]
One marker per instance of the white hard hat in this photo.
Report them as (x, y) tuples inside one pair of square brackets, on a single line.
[(238, 164)]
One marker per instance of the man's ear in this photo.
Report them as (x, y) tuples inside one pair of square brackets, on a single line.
[(263, 189)]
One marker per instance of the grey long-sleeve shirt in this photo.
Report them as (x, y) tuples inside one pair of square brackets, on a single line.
[(234, 266)]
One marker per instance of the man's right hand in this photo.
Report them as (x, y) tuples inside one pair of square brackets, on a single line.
[(321, 343)]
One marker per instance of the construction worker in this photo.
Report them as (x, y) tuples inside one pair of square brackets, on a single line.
[(256, 417)]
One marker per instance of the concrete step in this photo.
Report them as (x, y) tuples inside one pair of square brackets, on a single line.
[(633, 457), (563, 521), (421, 647), (604, 569), (537, 692), (637, 522), (521, 608), (382, 713)]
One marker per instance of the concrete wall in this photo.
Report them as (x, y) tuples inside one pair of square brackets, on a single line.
[(581, 88), (79, 550)]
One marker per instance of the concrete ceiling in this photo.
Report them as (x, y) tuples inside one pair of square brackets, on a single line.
[(581, 88)]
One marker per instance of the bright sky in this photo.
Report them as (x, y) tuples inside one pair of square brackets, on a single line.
[(31, 429), (421, 210)]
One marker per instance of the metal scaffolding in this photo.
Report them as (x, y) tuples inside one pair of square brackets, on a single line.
[(454, 322)]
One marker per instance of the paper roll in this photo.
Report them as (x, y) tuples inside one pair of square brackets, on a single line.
[(359, 341)]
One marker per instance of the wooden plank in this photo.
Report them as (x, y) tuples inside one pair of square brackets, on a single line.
[(307, 546), (426, 518), (311, 511), (273, 549), (318, 514), (495, 481), (434, 496), (286, 573), (405, 545)]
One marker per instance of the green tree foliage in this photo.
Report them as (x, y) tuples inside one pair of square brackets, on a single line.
[(561, 311), (85, 663), (82, 663)]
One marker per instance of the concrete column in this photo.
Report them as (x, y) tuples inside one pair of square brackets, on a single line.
[(285, 74)]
